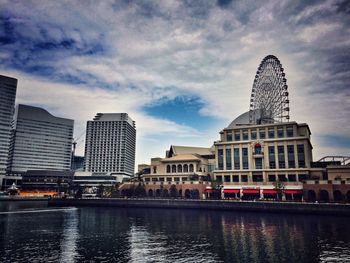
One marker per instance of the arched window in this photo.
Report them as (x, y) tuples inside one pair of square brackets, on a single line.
[(257, 148), (173, 168), (191, 168), (179, 168), (168, 168), (185, 168)]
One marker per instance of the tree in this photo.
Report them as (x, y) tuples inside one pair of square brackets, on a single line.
[(173, 191), (140, 191), (279, 186)]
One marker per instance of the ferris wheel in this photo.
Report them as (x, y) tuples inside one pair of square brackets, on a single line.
[(269, 101)]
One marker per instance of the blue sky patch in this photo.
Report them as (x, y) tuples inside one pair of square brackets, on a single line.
[(183, 110)]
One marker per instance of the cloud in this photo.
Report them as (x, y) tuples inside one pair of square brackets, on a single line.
[(122, 55)]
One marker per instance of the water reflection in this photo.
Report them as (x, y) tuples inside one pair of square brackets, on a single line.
[(69, 238), (155, 235)]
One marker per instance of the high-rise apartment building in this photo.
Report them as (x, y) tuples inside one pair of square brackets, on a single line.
[(8, 87), (40, 141), (110, 144)]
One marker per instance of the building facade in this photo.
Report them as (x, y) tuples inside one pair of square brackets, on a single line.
[(188, 169), (8, 88), (254, 160), (110, 144), (40, 141)]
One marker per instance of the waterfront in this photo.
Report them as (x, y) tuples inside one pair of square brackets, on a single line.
[(94, 234)]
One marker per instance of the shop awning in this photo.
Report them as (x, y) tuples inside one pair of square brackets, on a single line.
[(293, 192), (231, 191), (251, 191), (270, 191)]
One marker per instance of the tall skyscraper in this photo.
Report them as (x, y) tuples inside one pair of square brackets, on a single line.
[(110, 144), (8, 87), (39, 141)]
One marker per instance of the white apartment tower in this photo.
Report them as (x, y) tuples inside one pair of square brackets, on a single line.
[(8, 87), (110, 144)]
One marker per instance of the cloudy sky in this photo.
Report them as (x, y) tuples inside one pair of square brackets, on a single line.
[(183, 70)]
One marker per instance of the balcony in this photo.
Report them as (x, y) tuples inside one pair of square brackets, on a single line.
[(258, 154)]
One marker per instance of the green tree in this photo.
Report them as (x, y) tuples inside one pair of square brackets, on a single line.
[(173, 191), (140, 190)]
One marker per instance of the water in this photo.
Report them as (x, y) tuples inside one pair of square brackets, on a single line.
[(44, 234)]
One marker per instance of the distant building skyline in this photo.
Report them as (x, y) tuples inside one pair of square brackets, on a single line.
[(39, 141), (110, 144), (8, 88)]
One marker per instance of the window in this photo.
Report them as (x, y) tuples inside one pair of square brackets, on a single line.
[(292, 178), (183, 179), (220, 159), (161, 179), (280, 133), (219, 178), (154, 179), (154, 169), (191, 168), (301, 155), (258, 163), (168, 179), (227, 178), (147, 179), (257, 148), (272, 161), (282, 177), (271, 133), (281, 161), (290, 132), (245, 135), (291, 159), (245, 158), (173, 168), (244, 178), (253, 135), (302, 177), (235, 178), (179, 168), (228, 159), (229, 136), (257, 177), (262, 134), (272, 178), (237, 136), (185, 168), (177, 179), (236, 159)]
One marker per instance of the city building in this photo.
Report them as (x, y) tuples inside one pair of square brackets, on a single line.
[(39, 141), (110, 144), (187, 168), (78, 163), (42, 182), (8, 88), (251, 158)]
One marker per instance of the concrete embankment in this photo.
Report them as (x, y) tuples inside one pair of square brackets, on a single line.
[(22, 199), (258, 206)]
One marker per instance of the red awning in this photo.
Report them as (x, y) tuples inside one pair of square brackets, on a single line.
[(293, 192), (270, 191), (251, 191), (231, 191)]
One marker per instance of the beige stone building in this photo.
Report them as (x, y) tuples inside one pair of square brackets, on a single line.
[(251, 158), (188, 168)]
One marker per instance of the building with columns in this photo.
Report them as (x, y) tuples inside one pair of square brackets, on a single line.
[(252, 158), (189, 169)]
